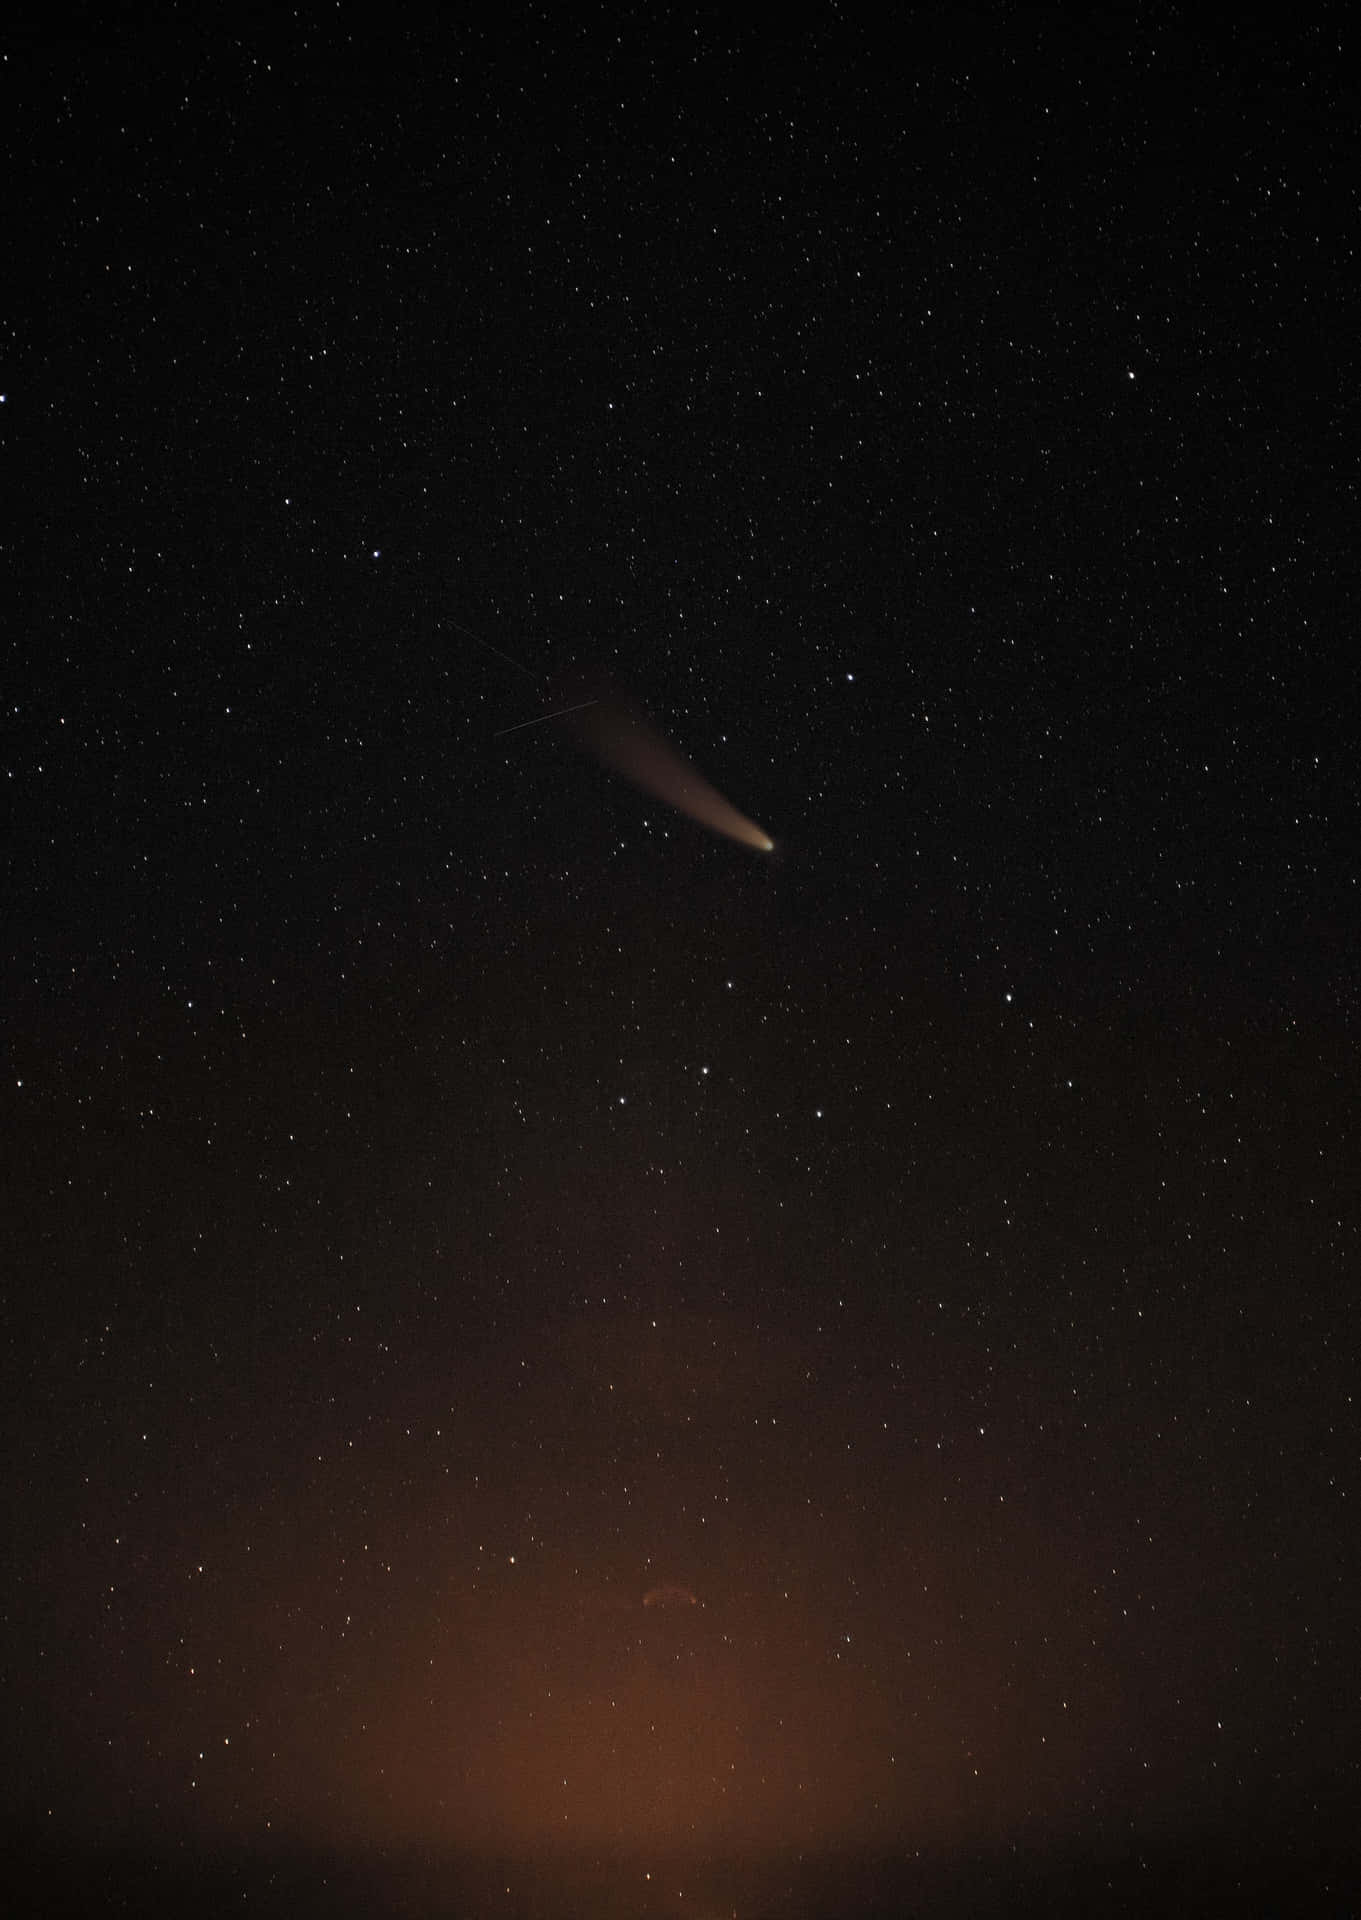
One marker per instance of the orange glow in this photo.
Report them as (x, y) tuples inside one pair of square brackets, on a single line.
[(669, 1596)]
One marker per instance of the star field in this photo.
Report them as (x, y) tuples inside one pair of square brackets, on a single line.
[(556, 1360)]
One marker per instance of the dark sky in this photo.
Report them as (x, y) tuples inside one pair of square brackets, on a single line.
[(450, 1194)]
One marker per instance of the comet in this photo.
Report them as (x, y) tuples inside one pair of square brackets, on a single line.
[(624, 740)]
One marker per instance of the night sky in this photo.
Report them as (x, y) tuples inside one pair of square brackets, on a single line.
[(547, 1345)]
